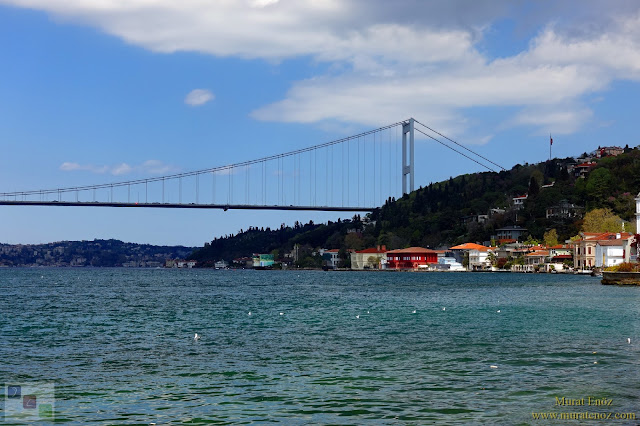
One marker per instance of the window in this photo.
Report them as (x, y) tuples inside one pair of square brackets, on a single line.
[(589, 253)]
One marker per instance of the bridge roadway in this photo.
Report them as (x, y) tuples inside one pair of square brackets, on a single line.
[(224, 207)]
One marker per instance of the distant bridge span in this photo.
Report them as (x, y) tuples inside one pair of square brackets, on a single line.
[(352, 174), (224, 207)]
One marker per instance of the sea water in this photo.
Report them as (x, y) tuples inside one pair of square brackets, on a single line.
[(319, 347)]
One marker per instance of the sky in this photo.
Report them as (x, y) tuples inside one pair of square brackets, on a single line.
[(100, 91)]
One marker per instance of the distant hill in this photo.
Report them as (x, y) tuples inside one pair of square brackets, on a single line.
[(90, 253), (442, 213)]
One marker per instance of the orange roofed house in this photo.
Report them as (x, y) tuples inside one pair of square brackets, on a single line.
[(411, 258), (478, 255)]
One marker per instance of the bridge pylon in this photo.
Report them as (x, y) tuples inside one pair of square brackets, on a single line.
[(408, 161)]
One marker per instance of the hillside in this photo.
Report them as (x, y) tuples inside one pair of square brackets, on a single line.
[(447, 213), (89, 253)]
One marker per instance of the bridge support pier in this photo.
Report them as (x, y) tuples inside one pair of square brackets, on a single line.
[(407, 163)]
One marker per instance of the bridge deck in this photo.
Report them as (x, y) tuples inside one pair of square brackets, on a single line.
[(184, 206)]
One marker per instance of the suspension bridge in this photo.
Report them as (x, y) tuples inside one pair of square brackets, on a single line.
[(354, 174)]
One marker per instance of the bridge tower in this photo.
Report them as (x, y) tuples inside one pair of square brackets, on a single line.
[(407, 163)]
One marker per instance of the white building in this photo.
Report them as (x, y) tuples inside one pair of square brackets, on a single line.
[(330, 258), (478, 255), (221, 264), (638, 213), (518, 202), (612, 252), (451, 264)]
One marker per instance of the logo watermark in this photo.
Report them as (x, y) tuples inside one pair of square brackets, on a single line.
[(29, 402)]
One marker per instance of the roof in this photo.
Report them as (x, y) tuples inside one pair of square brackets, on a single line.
[(470, 246), (538, 253), (371, 250), (602, 236), (562, 256), (332, 251), (413, 250), (589, 164), (512, 228), (561, 246), (619, 242)]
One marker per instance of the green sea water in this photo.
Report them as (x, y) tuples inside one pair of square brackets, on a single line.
[(319, 347)]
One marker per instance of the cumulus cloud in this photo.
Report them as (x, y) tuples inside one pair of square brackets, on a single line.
[(149, 167), (393, 60), (70, 167), (198, 97)]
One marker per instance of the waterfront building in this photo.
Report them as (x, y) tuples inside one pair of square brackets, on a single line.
[(371, 258), (411, 258), (449, 264), (638, 213), (221, 264), (263, 260), (612, 252), (584, 249), (179, 263), (330, 258), (478, 255)]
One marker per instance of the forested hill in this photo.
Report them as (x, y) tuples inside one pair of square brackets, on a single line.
[(89, 253), (441, 214)]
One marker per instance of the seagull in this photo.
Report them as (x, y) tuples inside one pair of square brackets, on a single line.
[(357, 316), (629, 340), (281, 313), (414, 311), (249, 313), (444, 309), (196, 337), (498, 311), (367, 311)]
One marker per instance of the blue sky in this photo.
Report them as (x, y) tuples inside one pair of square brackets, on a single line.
[(97, 91)]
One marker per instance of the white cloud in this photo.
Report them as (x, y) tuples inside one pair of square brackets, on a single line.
[(69, 167), (392, 60), (149, 167), (198, 97), (563, 120), (263, 3)]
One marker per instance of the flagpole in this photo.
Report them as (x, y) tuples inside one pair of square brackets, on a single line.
[(550, 144)]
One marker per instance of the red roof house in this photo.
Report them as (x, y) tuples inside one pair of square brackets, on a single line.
[(411, 258)]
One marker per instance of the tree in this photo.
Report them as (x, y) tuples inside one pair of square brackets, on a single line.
[(345, 258), (551, 238), (601, 220), (534, 187), (373, 261), (599, 184), (493, 258), (353, 241), (530, 241)]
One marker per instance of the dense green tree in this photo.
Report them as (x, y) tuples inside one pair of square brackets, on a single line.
[(551, 238), (601, 220)]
